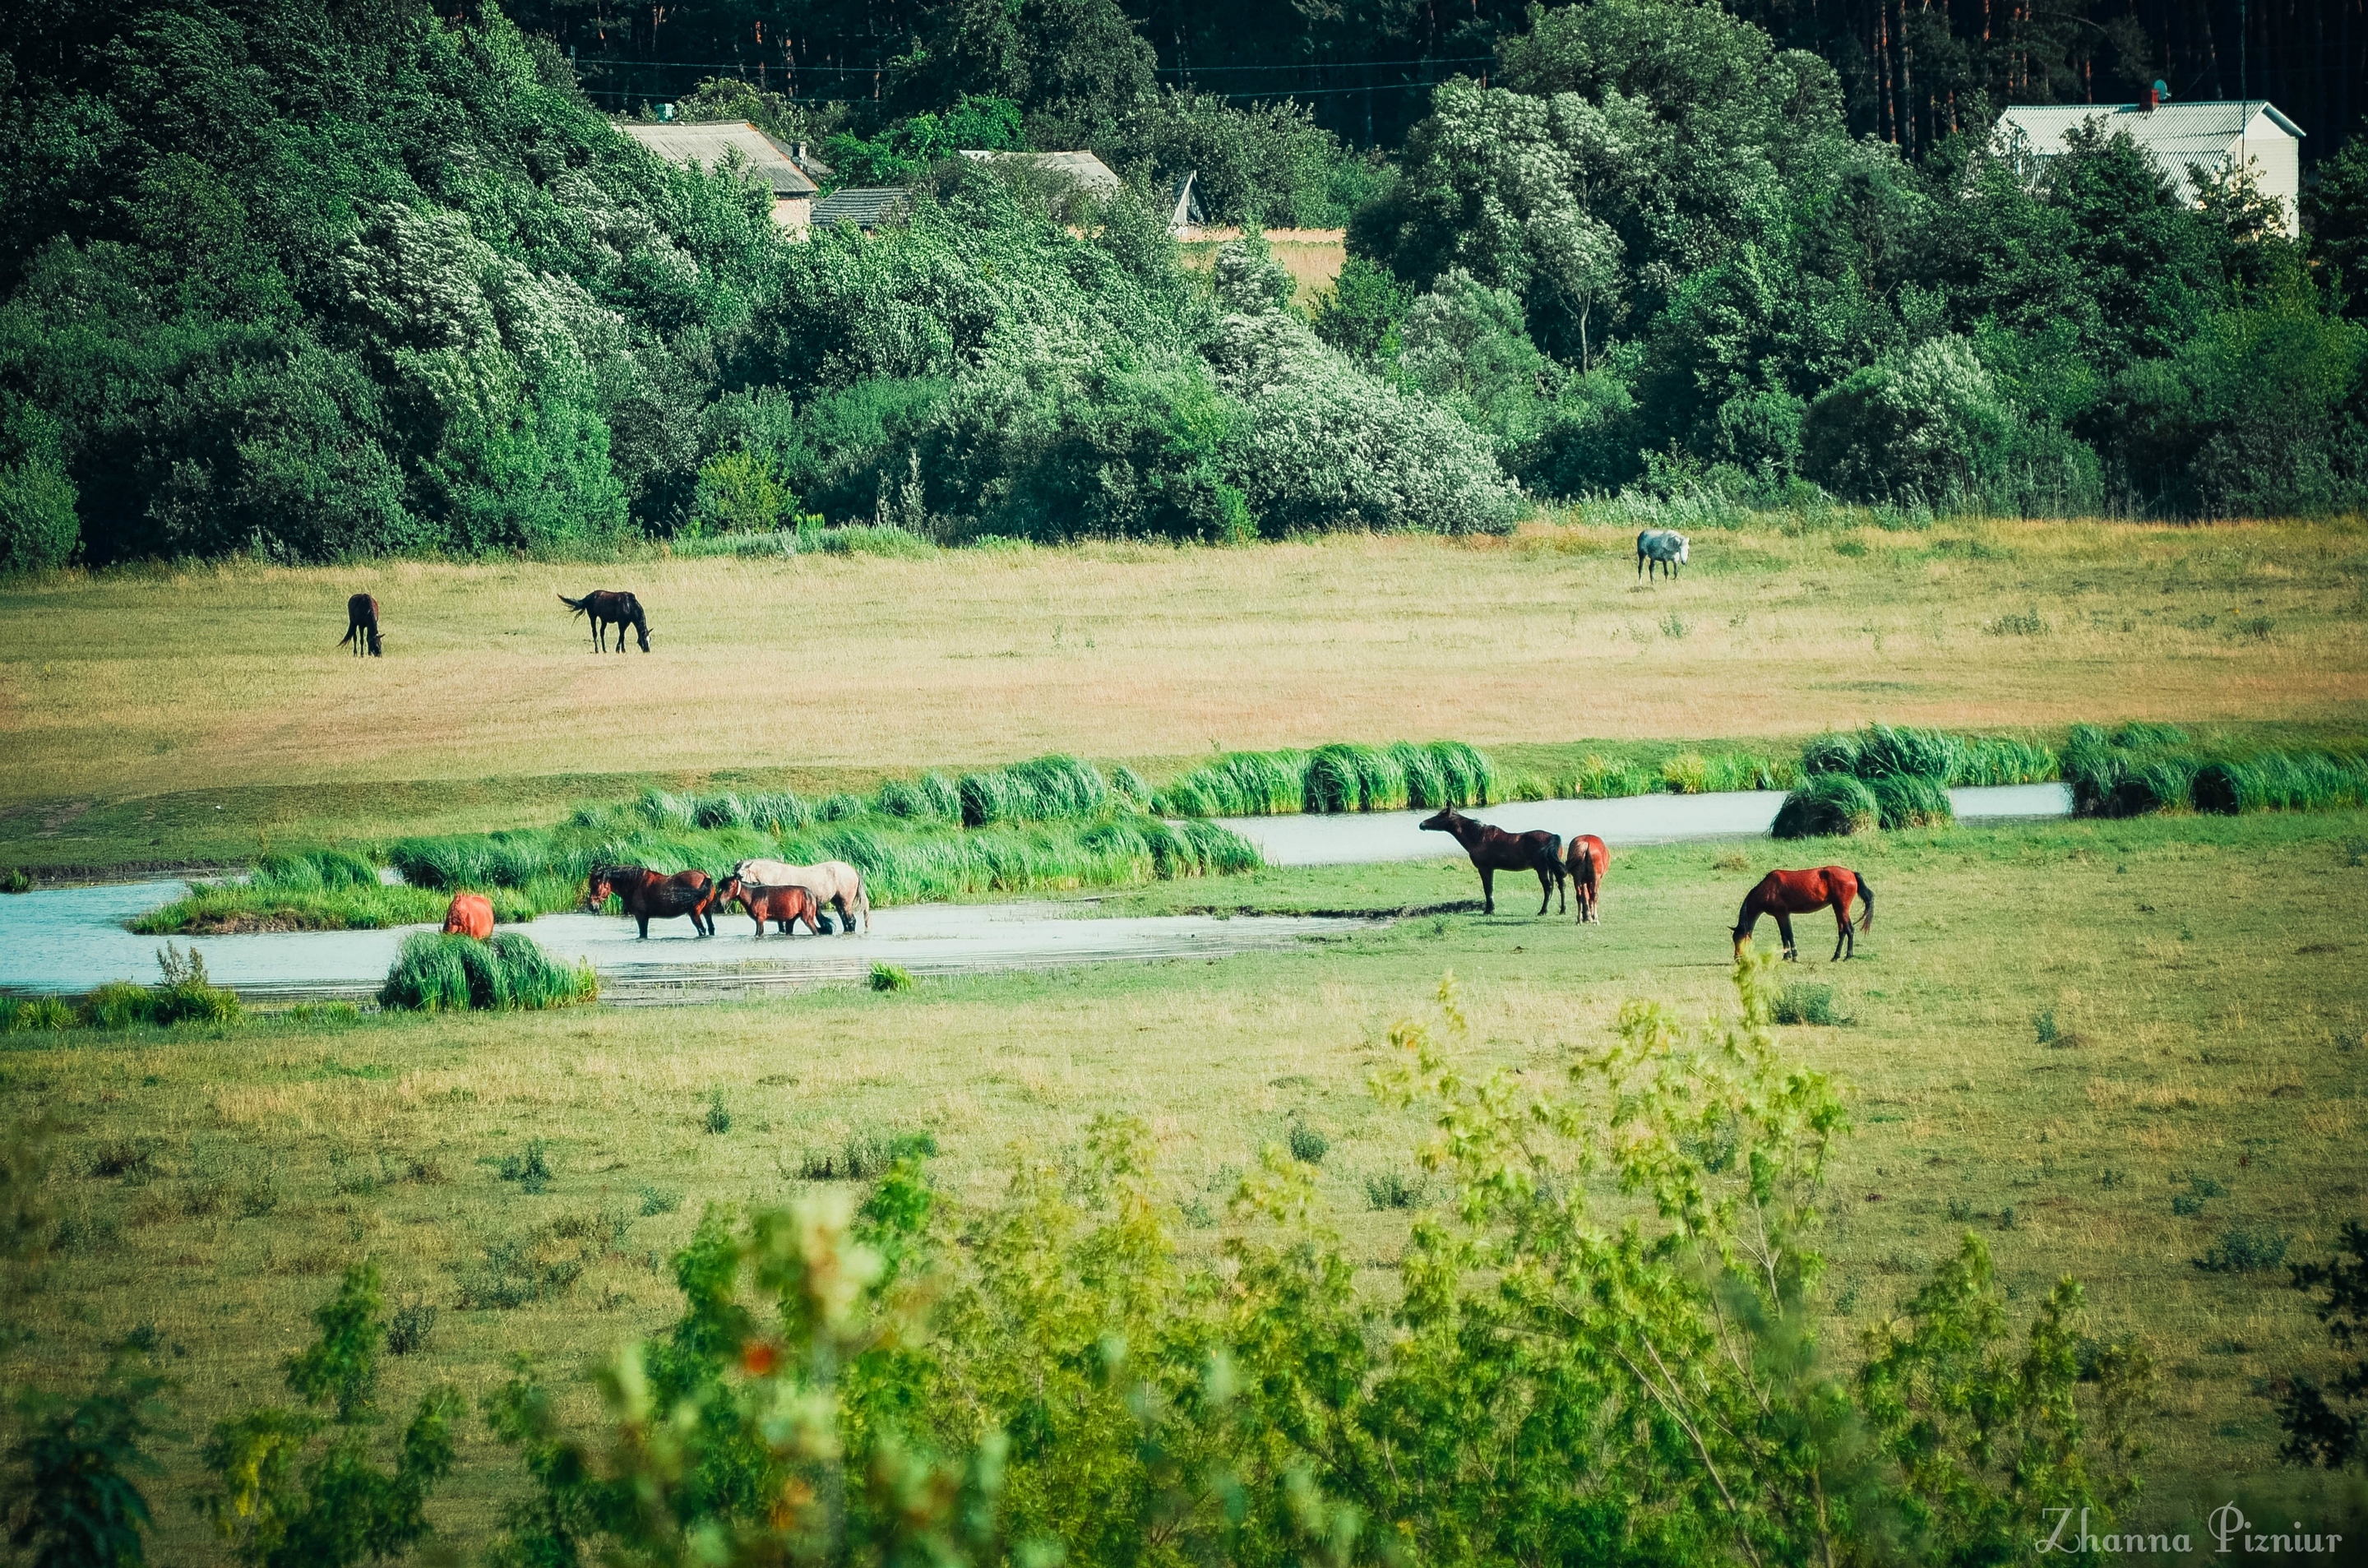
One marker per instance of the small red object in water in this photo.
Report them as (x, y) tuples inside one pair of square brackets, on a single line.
[(758, 1358)]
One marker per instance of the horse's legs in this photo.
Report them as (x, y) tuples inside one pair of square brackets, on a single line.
[(1487, 891), (646, 926), (1784, 929), (1547, 882), (1842, 939)]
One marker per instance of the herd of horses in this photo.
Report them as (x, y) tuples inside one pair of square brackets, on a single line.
[(1581, 865)]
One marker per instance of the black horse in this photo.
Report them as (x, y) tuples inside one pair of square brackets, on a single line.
[(650, 895), (1493, 851), (605, 607), (361, 626)]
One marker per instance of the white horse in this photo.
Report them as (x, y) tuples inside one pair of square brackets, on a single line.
[(834, 882), (1659, 546)]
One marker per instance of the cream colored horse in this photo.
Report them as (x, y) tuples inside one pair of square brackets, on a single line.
[(834, 882)]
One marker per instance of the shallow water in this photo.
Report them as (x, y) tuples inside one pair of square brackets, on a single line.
[(1637, 819), (73, 938)]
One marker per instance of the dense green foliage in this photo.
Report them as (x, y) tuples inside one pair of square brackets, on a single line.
[(2318, 1430), (437, 973), (1338, 777), (396, 285), (184, 995), (1563, 1375)]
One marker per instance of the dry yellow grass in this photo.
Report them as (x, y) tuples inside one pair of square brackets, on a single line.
[(1312, 257), (142, 683)]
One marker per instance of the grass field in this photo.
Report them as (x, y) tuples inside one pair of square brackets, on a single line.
[(2102, 1045), (168, 715)]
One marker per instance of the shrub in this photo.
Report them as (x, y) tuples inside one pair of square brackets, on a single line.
[(531, 1170), (718, 1119), (1825, 805), (412, 1325), (2316, 1432), (864, 1156), (1803, 1003), (1307, 1145), (2244, 1249), (435, 972), (891, 977), (16, 878), (1395, 1189), (659, 1200), (187, 995)]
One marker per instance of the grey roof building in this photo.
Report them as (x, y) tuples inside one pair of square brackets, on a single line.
[(713, 146), (862, 207), (1089, 172), (2214, 135)]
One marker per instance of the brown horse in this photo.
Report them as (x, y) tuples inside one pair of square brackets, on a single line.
[(469, 915), (650, 895), (1493, 851), (784, 906), (1786, 894), (361, 626), (605, 608), (1589, 860)]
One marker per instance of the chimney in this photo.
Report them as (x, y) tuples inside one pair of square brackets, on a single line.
[(2147, 98)]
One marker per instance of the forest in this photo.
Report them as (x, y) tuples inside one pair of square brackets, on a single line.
[(311, 282)]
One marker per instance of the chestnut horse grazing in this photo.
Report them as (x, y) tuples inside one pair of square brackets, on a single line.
[(1589, 860), (1786, 894), (361, 626), (1493, 851), (472, 915), (652, 895), (605, 608), (784, 906)]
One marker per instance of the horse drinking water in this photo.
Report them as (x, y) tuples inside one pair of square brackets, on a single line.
[(605, 608), (1786, 894), (1493, 851), (785, 907)]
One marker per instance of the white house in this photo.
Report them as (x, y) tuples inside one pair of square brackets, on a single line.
[(712, 146), (2216, 135)]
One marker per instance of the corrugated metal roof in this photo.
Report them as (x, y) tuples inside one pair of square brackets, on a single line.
[(866, 206), (2174, 135), (709, 146), (1083, 168)]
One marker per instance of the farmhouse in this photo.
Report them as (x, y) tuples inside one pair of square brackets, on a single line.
[(2179, 138), (864, 208), (716, 145), (1089, 172)]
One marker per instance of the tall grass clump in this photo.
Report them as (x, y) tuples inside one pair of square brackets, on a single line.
[(1601, 779), (319, 871), (1238, 784), (1349, 777), (1692, 773), (1911, 800), (2129, 772), (186, 995), (2281, 781), (1825, 805), (1948, 759), (439, 973), (1046, 788)]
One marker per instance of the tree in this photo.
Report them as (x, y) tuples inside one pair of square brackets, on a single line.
[(2335, 212)]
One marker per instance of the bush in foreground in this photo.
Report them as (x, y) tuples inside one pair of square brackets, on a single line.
[(434, 972), (911, 1380)]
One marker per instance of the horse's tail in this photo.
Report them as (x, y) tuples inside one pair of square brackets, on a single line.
[(351, 633), (1866, 906), (576, 605)]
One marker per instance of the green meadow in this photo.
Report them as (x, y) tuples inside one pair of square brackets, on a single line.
[(2118, 1051)]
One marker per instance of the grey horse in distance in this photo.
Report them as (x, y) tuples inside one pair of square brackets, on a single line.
[(1659, 547)]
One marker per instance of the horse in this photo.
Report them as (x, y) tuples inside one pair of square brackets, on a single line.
[(785, 907), (1659, 547), (833, 882), (1786, 894), (1589, 860), (469, 915), (652, 895), (1493, 851), (361, 626), (605, 608)]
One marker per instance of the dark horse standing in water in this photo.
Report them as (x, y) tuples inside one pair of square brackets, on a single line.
[(1493, 851), (361, 626), (1786, 894), (605, 607), (650, 895)]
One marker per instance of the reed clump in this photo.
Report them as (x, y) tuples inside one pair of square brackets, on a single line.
[(1828, 805), (1343, 777), (2139, 768), (510, 972)]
